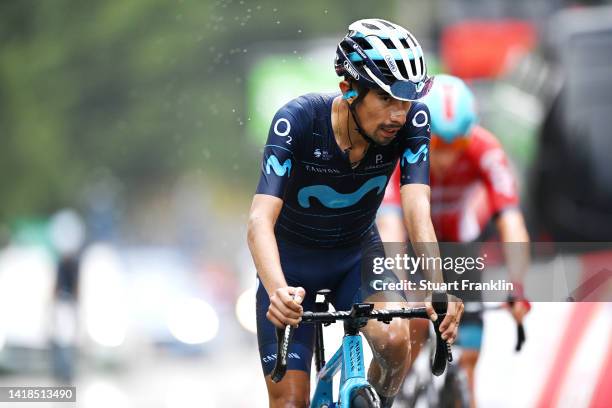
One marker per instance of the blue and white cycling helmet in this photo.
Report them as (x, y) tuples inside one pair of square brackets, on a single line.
[(452, 108), (379, 54)]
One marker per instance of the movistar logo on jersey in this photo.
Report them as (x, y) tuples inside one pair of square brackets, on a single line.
[(330, 198), (412, 158), (279, 169)]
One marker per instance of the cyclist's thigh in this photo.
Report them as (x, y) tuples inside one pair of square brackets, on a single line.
[(360, 283), (357, 286), (312, 269), (300, 349)]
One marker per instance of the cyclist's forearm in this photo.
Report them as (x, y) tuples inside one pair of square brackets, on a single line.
[(425, 244), (417, 219), (515, 237), (262, 243)]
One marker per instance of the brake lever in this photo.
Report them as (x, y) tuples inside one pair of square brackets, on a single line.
[(520, 336), (443, 352), (283, 339)]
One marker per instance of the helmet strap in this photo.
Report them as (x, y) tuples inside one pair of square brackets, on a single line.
[(360, 130)]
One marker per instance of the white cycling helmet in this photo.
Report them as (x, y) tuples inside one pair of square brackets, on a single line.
[(379, 54)]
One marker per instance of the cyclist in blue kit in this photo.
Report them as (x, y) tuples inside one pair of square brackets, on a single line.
[(325, 167)]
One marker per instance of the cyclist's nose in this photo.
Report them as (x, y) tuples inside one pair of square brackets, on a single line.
[(398, 116), (399, 110)]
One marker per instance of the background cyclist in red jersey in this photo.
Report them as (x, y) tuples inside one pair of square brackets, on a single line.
[(472, 186)]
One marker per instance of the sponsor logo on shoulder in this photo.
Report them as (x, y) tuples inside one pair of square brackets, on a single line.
[(273, 164), (420, 119)]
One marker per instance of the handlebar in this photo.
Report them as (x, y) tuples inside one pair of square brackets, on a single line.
[(520, 329), (360, 313)]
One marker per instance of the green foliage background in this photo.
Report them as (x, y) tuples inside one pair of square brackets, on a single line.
[(141, 90)]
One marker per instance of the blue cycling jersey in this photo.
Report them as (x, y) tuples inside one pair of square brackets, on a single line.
[(326, 202)]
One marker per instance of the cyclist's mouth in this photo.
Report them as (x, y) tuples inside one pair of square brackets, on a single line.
[(389, 131)]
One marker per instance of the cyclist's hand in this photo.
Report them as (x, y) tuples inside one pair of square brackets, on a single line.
[(519, 308), (518, 303), (450, 324), (285, 306)]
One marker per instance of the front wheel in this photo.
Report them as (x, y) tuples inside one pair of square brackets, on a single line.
[(364, 397)]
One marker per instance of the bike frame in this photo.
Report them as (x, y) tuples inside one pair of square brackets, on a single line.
[(349, 360)]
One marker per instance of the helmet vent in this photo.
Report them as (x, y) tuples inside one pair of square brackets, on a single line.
[(413, 66), (370, 26), (384, 68), (363, 43), (387, 24), (388, 43)]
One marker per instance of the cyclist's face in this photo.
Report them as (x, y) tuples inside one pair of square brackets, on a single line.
[(382, 116), (444, 154), (457, 145)]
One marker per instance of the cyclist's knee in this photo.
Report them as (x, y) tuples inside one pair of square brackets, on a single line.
[(392, 342), (469, 358), (288, 402), (292, 392)]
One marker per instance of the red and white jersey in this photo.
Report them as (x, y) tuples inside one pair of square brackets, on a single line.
[(478, 185)]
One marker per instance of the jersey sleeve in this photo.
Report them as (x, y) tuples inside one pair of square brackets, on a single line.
[(497, 175), (279, 155), (414, 159)]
